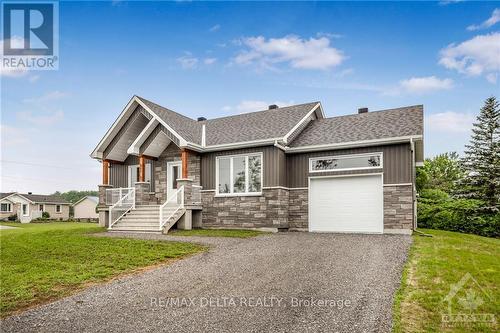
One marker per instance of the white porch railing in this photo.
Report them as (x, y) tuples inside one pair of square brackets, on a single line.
[(196, 195), (113, 195), (168, 209), (122, 206)]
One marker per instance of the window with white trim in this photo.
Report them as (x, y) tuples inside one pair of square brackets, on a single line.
[(6, 207), (58, 208), (25, 210), (133, 174), (345, 162), (239, 174), (40, 207)]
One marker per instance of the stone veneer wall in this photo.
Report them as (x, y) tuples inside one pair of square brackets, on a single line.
[(270, 210), (298, 217), (398, 207)]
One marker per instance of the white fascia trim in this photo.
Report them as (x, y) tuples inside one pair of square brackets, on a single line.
[(343, 145), (419, 164), (22, 196), (99, 154), (182, 141), (245, 144), (136, 145), (294, 128)]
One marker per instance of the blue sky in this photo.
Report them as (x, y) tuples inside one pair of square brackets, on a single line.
[(217, 58)]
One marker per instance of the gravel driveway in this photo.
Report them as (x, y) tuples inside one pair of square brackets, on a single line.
[(287, 282)]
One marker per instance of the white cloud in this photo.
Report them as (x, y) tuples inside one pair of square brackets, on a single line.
[(214, 28), (48, 97), (12, 136), (427, 84), (209, 61), (13, 73), (33, 78), (246, 106), (451, 122), (314, 53), (188, 61), (477, 56), (491, 21), (44, 118), (449, 2)]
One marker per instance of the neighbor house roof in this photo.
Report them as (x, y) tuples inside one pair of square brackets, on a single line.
[(90, 197), (260, 125), (41, 198), (5, 195), (373, 125)]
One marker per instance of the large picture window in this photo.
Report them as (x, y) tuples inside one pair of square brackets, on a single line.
[(345, 162), (239, 175)]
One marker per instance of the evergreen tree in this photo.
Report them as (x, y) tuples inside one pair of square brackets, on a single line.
[(482, 157)]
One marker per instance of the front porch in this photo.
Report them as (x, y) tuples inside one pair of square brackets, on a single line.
[(149, 183)]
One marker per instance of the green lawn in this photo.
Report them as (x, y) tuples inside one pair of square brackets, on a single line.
[(217, 233), (437, 262), (45, 261)]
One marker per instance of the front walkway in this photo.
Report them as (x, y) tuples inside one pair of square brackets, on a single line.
[(275, 283)]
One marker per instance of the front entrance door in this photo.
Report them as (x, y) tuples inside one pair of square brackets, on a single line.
[(173, 173)]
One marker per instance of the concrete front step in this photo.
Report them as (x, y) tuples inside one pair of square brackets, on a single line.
[(136, 229)]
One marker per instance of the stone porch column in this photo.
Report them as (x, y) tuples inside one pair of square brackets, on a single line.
[(102, 207), (142, 190), (188, 189)]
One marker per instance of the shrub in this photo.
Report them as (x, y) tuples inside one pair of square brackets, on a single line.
[(434, 194), (437, 211), (12, 217), (45, 215)]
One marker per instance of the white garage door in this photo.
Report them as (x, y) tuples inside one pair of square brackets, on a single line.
[(346, 204)]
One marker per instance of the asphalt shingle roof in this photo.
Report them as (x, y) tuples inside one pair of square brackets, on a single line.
[(186, 127), (4, 195), (373, 125), (41, 198), (260, 125)]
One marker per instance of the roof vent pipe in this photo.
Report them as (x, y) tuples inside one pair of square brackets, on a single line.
[(362, 110), (273, 106), (202, 118), (30, 192)]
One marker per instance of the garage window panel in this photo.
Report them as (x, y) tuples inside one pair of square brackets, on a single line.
[(345, 162), (239, 175)]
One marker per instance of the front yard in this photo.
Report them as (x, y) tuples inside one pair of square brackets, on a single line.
[(468, 263), (42, 262)]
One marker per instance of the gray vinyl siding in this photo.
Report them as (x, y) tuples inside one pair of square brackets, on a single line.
[(274, 166), (396, 164), (134, 124), (118, 173)]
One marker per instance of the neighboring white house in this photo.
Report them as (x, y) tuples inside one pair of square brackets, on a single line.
[(85, 208), (28, 207)]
